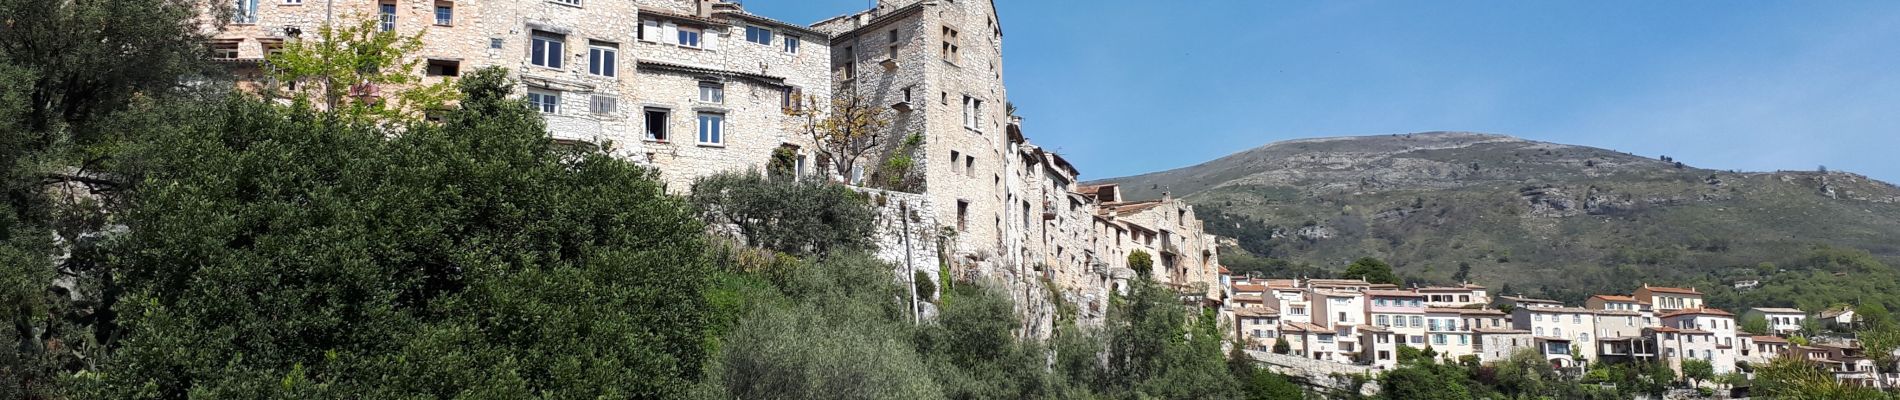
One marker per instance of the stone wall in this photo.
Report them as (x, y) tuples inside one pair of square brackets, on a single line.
[(1317, 375)]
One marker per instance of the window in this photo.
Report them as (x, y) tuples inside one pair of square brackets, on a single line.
[(602, 58), (494, 43), (963, 215), (1438, 339), (969, 166), (1464, 340), (224, 50), (955, 166), (1557, 332), (1299, 310), (444, 13), (547, 49), (850, 63), (689, 37), (711, 128), (293, 2), (387, 14), (576, 3), (1576, 318), (1418, 321), (1537, 317), (791, 44), (756, 34), (656, 124), (949, 45), (603, 104), (972, 113), (545, 102), (1382, 321), (1583, 337), (712, 92), (1540, 331), (444, 68), (246, 12)]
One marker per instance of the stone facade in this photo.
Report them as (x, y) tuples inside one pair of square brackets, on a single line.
[(606, 64), (697, 87)]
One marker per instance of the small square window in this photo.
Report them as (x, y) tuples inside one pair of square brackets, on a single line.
[(689, 37), (444, 13), (712, 92), (602, 58), (656, 124), (791, 44), (547, 50), (603, 104), (494, 43), (546, 102), (758, 34)]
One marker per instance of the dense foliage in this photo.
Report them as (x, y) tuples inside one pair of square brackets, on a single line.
[(802, 217), (292, 250)]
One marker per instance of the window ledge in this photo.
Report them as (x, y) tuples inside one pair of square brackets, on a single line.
[(712, 145), (446, 25), (656, 141), (575, 5)]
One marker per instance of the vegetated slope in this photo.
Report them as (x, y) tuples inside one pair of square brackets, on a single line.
[(1543, 218)]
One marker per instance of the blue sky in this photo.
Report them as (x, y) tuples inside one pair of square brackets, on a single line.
[(1127, 87)]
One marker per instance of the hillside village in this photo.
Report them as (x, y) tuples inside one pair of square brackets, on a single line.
[(1353, 321), (693, 88)]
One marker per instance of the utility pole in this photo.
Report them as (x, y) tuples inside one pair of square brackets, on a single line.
[(910, 270)]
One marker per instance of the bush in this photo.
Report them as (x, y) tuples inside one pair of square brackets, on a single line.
[(797, 217), (288, 251)]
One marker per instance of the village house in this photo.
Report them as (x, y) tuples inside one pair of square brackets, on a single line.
[(1677, 344), (1721, 328), (1454, 297), (1781, 321), (1380, 346), (1522, 302), (1760, 349), (1447, 333), (1666, 299), (1401, 312), (1498, 344), (1557, 330), (1614, 302), (1257, 327), (1333, 308)]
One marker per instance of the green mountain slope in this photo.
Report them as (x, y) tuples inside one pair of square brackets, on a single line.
[(1543, 218)]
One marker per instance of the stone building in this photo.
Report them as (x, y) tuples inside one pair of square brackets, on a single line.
[(697, 87), (691, 87)]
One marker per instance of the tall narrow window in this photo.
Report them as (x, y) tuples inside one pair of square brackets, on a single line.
[(547, 49), (712, 92), (656, 124), (245, 13), (712, 128), (601, 58), (387, 11), (963, 215), (950, 45), (546, 102), (956, 164), (444, 13)]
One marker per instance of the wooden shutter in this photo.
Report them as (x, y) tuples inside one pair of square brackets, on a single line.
[(650, 31), (670, 33), (709, 39)]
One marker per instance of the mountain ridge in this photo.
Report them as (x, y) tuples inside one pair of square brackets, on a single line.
[(1553, 219)]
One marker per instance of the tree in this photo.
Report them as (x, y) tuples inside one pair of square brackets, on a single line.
[(845, 132), (1464, 272), (1423, 381), (1697, 371), (1874, 316), (1795, 378), (290, 251), (348, 68), (1141, 262), (797, 217), (1754, 323), (1156, 350), (67, 69), (1372, 270), (1280, 346)]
